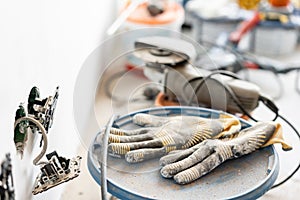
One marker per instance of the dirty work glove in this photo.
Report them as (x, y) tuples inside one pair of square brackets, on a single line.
[(188, 165), (161, 135)]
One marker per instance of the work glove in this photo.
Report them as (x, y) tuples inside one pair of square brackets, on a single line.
[(161, 135), (188, 165)]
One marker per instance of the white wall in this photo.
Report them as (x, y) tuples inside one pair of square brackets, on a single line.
[(44, 43)]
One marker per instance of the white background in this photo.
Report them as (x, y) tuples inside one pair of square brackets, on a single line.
[(44, 43)]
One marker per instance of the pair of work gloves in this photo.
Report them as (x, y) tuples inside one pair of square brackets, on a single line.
[(189, 146)]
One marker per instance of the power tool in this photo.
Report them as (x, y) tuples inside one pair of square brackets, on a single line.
[(168, 61)]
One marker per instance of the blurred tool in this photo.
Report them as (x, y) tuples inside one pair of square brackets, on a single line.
[(211, 18), (272, 20), (7, 191), (42, 109), (40, 116), (166, 16), (274, 32), (56, 171), (20, 131), (167, 61), (39, 119), (258, 24), (228, 57)]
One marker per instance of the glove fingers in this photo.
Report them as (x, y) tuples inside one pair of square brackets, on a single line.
[(116, 131), (120, 149), (140, 155), (127, 139), (149, 120), (198, 170), (201, 153), (176, 155)]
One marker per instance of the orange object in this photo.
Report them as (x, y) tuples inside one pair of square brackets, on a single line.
[(250, 65), (141, 16), (279, 3), (161, 101), (245, 26)]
